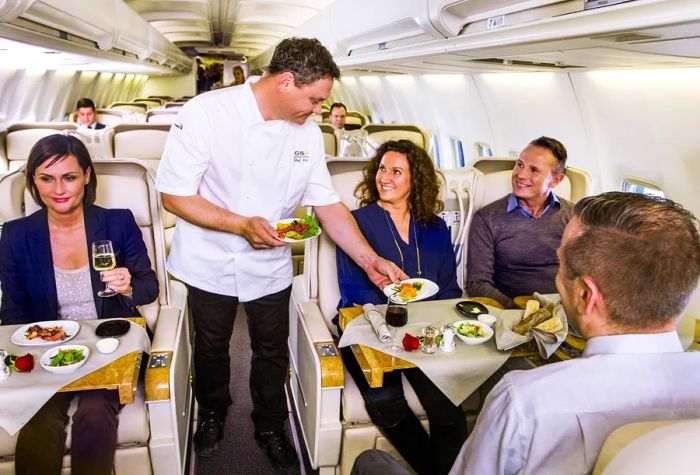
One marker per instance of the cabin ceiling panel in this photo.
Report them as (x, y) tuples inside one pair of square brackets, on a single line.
[(234, 26)]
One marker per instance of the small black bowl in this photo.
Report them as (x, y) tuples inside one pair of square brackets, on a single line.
[(471, 309), (112, 328)]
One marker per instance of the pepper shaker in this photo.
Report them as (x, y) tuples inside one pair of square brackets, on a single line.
[(4, 370)]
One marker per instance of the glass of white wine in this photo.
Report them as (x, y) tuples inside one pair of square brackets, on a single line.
[(103, 259)]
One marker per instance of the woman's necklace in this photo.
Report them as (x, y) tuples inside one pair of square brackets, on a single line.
[(396, 242)]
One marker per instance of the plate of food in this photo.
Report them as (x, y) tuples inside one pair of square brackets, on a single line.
[(45, 333), (411, 290), (296, 229), (65, 358), (473, 332)]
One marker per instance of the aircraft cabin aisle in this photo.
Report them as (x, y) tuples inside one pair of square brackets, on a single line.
[(618, 86)]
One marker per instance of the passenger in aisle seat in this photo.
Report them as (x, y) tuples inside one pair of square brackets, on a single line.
[(45, 274), (398, 217), (555, 418), (513, 241), (85, 114), (337, 115), (236, 160)]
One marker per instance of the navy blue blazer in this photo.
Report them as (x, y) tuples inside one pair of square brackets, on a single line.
[(27, 272)]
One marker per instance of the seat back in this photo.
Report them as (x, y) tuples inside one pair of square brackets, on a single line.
[(161, 116), (668, 446), (578, 181), (21, 137), (377, 134), (128, 184), (141, 141), (150, 102), (130, 106), (112, 117), (330, 141)]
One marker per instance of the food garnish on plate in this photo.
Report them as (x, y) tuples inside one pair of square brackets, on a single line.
[(54, 333), (298, 228), (544, 319), (67, 357), (408, 290)]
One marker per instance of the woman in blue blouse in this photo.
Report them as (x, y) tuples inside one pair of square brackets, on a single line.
[(45, 274), (398, 217)]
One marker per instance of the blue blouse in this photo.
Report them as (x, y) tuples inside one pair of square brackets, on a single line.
[(437, 258)]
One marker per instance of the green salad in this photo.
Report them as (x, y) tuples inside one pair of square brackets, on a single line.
[(471, 330), (298, 228), (67, 357)]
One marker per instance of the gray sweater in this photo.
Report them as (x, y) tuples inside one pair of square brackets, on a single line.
[(511, 254)]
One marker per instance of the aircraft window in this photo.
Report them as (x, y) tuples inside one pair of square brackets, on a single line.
[(458, 151), (435, 149), (483, 149), (635, 185)]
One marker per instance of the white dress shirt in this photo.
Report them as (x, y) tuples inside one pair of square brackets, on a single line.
[(555, 418), (221, 148)]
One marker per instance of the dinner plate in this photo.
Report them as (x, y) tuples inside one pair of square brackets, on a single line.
[(70, 328), (428, 289), (45, 359), (287, 221)]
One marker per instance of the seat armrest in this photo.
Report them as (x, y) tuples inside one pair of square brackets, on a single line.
[(317, 333)]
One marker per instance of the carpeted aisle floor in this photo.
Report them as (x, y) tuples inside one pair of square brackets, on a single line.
[(238, 453)]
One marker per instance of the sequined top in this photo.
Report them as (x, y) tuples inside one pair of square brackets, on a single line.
[(74, 294)]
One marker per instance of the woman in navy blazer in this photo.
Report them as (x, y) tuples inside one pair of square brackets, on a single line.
[(55, 242)]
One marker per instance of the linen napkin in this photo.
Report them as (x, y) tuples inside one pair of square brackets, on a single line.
[(376, 319), (547, 342)]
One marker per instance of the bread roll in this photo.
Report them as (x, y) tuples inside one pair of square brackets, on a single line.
[(535, 319), (552, 325)]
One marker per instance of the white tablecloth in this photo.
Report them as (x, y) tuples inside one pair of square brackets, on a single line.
[(456, 374), (23, 394)]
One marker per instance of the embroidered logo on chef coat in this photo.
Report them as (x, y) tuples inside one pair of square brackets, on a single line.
[(301, 156)]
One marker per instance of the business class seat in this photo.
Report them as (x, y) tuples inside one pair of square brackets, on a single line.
[(154, 430), (144, 142), (376, 134), (130, 106), (330, 140), (112, 117), (650, 448), (19, 139), (161, 116), (335, 425)]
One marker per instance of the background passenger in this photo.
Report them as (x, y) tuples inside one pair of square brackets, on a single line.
[(85, 114), (337, 115), (399, 199), (45, 274), (629, 265), (513, 241), (238, 76)]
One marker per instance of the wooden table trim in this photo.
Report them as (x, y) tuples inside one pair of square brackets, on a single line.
[(121, 374)]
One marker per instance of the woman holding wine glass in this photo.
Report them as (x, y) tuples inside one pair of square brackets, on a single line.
[(45, 274), (399, 199)]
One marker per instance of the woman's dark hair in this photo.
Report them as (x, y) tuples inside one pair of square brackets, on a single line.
[(425, 187), (52, 149)]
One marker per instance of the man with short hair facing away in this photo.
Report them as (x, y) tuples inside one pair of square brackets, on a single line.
[(236, 160), (85, 114), (337, 115), (629, 265), (513, 241)]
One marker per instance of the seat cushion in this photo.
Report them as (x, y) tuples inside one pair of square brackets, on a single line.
[(354, 406)]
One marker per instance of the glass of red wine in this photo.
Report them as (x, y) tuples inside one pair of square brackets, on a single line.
[(396, 317)]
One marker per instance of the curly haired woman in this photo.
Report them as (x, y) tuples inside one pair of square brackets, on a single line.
[(399, 199)]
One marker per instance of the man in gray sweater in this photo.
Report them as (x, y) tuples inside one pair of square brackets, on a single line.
[(513, 241)]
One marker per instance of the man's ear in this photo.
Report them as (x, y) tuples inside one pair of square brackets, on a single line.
[(589, 299), (556, 179), (285, 80)]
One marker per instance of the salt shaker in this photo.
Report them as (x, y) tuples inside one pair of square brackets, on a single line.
[(4, 370), (448, 339)]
